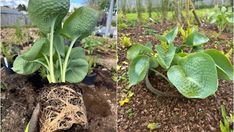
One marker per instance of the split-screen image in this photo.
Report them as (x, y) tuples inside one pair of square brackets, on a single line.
[(116, 66)]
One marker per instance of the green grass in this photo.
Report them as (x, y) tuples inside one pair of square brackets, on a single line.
[(156, 15)]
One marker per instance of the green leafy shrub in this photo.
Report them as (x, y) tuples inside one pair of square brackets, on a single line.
[(221, 17), (194, 74), (61, 63)]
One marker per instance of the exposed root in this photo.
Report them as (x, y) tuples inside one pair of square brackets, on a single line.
[(62, 107)]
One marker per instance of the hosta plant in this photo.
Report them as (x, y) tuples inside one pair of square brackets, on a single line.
[(221, 17), (61, 63), (194, 73), (62, 107)]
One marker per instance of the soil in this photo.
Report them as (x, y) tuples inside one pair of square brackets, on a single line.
[(19, 100), (171, 114)]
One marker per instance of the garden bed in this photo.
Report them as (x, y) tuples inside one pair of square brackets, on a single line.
[(170, 114)]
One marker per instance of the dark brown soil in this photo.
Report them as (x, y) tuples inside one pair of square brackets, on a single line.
[(19, 100), (172, 114)]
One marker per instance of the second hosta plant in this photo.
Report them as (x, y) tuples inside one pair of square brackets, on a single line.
[(60, 62), (193, 71)]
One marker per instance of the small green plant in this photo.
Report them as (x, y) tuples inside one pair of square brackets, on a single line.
[(90, 44), (194, 74), (61, 63), (125, 41), (225, 124), (122, 26), (92, 63), (221, 17)]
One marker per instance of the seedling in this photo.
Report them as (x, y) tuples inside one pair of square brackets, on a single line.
[(194, 74), (61, 63), (130, 113), (125, 41)]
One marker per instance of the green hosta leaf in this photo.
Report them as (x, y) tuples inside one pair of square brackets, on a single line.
[(195, 39), (26, 63), (77, 52), (39, 47), (195, 76), (43, 12), (77, 67), (223, 9), (224, 66), (59, 44), (77, 70), (80, 23), (165, 57), (138, 69), (171, 35), (161, 38), (24, 66), (230, 20), (138, 49)]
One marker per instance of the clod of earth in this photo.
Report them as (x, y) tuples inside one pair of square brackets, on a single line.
[(62, 107)]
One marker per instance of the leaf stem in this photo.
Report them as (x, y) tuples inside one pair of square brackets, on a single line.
[(51, 64), (60, 63), (66, 60), (158, 73)]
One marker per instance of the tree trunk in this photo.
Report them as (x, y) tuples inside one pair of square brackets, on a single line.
[(164, 9), (124, 6), (195, 14), (139, 9), (149, 2)]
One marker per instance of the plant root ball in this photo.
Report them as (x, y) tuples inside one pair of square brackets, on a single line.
[(62, 109)]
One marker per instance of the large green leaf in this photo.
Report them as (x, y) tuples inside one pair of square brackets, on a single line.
[(80, 23), (27, 62), (77, 70), (195, 39), (170, 36), (138, 49), (77, 52), (77, 67), (138, 69), (24, 66), (44, 12), (224, 66), (195, 76), (165, 57), (37, 49)]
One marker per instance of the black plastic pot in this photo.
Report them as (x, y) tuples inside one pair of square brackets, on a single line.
[(90, 79), (8, 66)]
